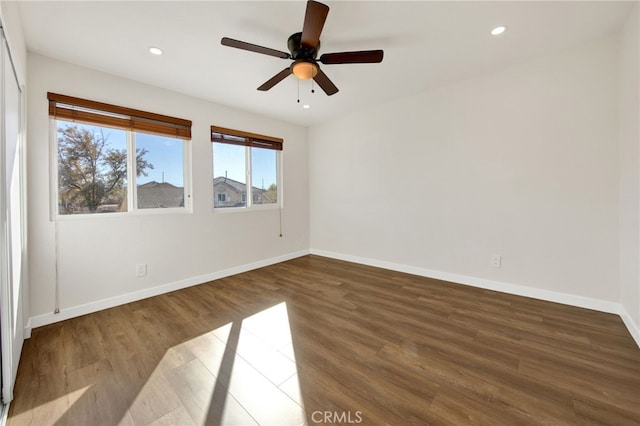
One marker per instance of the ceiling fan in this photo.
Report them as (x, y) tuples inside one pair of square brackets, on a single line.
[(304, 48)]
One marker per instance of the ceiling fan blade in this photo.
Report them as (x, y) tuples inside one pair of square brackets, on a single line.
[(360, 57), (226, 41), (314, 19), (324, 83), (275, 79)]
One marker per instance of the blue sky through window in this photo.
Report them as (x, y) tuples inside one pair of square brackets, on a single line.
[(166, 156), (229, 160), (263, 167)]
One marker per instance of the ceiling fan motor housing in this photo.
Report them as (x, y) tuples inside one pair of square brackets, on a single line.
[(298, 51)]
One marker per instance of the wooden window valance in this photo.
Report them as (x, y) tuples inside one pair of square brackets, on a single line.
[(239, 137), (69, 108)]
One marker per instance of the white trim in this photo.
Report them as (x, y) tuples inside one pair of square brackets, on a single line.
[(248, 172), (99, 305), (551, 296), (187, 181), (6, 305), (253, 208), (633, 328), (4, 413), (520, 290), (27, 329), (134, 213), (132, 171), (53, 170)]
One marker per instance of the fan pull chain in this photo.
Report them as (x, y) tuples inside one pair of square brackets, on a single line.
[(312, 90), (298, 90)]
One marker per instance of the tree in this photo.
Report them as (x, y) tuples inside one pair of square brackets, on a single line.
[(271, 194), (90, 171)]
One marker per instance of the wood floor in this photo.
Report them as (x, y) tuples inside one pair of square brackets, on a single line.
[(320, 341)]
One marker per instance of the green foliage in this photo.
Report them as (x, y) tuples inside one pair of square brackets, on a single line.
[(90, 172), (271, 194)]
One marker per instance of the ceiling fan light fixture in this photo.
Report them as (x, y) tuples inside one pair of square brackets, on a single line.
[(304, 70)]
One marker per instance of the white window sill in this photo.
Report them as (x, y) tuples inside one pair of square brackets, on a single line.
[(136, 213), (254, 208)]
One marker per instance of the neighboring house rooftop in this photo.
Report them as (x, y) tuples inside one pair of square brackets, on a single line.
[(238, 186), (160, 195), (222, 184)]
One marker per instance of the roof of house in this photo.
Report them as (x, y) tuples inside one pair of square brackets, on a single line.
[(237, 186), (160, 195)]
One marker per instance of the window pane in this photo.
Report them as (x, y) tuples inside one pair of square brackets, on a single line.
[(264, 176), (92, 169), (229, 175), (160, 171)]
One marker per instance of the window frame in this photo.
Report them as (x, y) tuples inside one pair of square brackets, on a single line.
[(132, 178), (250, 140)]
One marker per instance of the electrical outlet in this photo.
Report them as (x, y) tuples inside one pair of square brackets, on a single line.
[(141, 269), (496, 260)]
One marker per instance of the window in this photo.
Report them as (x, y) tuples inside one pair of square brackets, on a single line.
[(114, 159), (246, 166)]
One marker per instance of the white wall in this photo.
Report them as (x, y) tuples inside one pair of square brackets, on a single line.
[(522, 162), (97, 255), (629, 173)]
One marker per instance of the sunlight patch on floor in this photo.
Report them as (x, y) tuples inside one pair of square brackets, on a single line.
[(54, 410), (241, 373)]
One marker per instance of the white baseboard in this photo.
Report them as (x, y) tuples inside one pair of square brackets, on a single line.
[(551, 296), (111, 302), (519, 290), (27, 329), (4, 413), (633, 328)]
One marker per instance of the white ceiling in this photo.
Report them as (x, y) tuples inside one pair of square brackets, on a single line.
[(426, 45)]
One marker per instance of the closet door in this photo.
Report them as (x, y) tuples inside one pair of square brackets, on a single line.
[(12, 220)]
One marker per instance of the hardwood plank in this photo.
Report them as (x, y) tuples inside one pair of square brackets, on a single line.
[(156, 399), (587, 382), (598, 412), (459, 409), (494, 386), (195, 385), (177, 416)]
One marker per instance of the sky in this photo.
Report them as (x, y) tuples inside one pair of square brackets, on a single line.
[(166, 155)]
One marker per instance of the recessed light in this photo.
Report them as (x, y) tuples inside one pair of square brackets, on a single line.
[(155, 50), (305, 106), (498, 30)]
